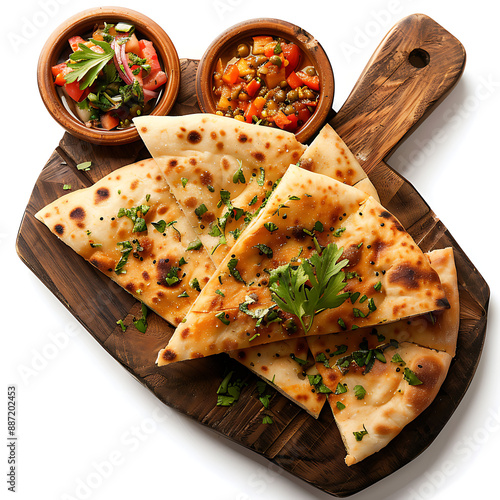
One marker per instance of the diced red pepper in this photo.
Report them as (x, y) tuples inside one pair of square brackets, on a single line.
[(294, 80), (311, 81), (60, 71), (303, 114), (148, 52), (250, 112), (74, 41), (292, 126), (292, 55), (253, 87), (281, 120)]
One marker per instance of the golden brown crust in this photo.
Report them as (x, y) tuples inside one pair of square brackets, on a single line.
[(390, 268), (87, 220)]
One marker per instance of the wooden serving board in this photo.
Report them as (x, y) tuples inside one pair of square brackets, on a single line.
[(412, 70)]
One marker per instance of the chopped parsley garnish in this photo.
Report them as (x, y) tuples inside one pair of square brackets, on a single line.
[(182, 295), (340, 406), (362, 357), (219, 292), (231, 265), (238, 175), (317, 382), (359, 391), (222, 317), (270, 226), (199, 211), (378, 286), (126, 248), (195, 284), (141, 324), (264, 249), (122, 325), (300, 361), (194, 245), (267, 315), (359, 435), (397, 359), (253, 201), (339, 231), (267, 419), (411, 377), (66, 187), (133, 215), (172, 277), (160, 226), (341, 389), (184, 181), (229, 391), (311, 287)]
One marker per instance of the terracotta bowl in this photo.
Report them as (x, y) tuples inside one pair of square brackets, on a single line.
[(57, 46), (273, 27)]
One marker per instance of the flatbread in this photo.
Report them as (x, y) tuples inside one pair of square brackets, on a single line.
[(390, 403), (87, 220), (329, 155), (385, 264), (219, 169), (286, 366)]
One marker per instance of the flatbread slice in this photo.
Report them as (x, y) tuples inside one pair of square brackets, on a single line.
[(219, 169), (385, 269), (390, 402), (156, 267), (285, 365), (329, 155), (371, 409)]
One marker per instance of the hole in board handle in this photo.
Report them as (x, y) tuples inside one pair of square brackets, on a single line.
[(419, 58)]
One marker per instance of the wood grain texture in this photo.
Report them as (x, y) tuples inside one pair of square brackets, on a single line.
[(308, 448)]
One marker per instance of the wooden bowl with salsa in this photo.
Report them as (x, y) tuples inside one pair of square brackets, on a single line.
[(104, 66), (269, 72)]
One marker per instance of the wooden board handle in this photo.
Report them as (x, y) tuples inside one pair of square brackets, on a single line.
[(413, 69)]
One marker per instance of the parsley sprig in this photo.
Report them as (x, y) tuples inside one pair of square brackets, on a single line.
[(311, 287), (86, 64)]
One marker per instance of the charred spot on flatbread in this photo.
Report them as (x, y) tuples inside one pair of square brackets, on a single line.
[(411, 277), (101, 195), (59, 229), (77, 214), (194, 137)]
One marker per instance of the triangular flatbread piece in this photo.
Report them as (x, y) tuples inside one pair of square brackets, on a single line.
[(328, 155), (285, 365), (373, 394), (219, 169), (155, 266), (307, 212)]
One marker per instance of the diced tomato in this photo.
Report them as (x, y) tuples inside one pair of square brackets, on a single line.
[(73, 90), (294, 80), (292, 55), (154, 80), (253, 87), (231, 74), (148, 52), (109, 121), (74, 41), (259, 43), (60, 71), (311, 81)]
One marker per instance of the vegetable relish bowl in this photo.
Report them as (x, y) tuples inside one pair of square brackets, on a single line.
[(270, 72), (103, 67)]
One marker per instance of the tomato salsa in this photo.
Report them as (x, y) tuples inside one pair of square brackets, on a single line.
[(269, 81), (111, 77)]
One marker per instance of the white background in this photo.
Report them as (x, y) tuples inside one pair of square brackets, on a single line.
[(78, 410)]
